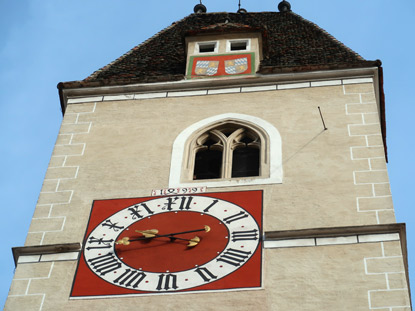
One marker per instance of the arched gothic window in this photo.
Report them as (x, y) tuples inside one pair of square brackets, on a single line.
[(226, 150)]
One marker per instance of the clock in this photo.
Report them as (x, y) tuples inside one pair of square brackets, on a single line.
[(172, 244)]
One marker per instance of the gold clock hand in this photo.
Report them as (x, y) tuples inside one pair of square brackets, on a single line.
[(192, 242), (152, 233), (148, 233), (206, 229)]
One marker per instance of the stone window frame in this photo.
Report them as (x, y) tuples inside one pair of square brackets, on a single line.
[(198, 44), (182, 161), (230, 41)]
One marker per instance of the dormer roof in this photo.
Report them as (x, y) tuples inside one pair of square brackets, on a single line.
[(290, 43)]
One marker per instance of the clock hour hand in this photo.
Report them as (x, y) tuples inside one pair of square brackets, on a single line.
[(192, 242)]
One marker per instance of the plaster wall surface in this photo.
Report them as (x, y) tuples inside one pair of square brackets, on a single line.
[(336, 277), (121, 149), (335, 177)]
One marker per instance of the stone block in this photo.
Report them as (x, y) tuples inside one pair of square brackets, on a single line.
[(386, 217), (384, 265), (18, 287), (361, 165), (337, 240), (367, 238), (119, 97), (376, 203), (75, 128), (69, 118), (64, 139), (293, 86), (49, 185), (364, 190), (368, 98), (382, 189), (187, 93), (371, 118), (378, 164), (42, 211), (26, 303), (259, 88), (397, 280), (150, 95), (82, 108), (28, 259), (224, 91), (361, 108), (60, 256), (56, 161), (289, 243), (368, 177), (63, 150), (326, 83), (364, 129), (367, 152), (34, 239), (357, 80), (32, 270), (392, 248), (84, 100), (388, 298), (358, 88), (375, 140), (61, 172), (54, 197), (46, 224)]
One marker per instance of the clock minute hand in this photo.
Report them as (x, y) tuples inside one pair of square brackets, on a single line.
[(152, 233), (206, 228)]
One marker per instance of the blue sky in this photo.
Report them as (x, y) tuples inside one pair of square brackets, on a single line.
[(44, 42)]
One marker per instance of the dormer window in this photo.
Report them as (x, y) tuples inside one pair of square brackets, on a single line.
[(223, 55), (206, 47), (238, 45)]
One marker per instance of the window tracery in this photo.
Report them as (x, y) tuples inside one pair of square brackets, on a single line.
[(227, 151), (230, 149)]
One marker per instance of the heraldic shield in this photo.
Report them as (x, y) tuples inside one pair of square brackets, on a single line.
[(206, 68), (235, 66)]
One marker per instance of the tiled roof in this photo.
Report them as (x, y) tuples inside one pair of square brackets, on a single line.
[(290, 43)]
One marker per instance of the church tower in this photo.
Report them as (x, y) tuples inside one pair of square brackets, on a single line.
[(233, 161)]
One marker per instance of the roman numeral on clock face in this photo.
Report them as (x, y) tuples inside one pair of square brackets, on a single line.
[(135, 210), (245, 235), (99, 243), (167, 281), (105, 264), (180, 203), (235, 217), (205, 274), (210, 206), (233, 257), (130, 278)]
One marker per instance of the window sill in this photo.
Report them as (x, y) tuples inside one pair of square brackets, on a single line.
[(234, 182)]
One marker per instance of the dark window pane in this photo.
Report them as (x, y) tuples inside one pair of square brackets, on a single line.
[(245, 162), (208, 164)]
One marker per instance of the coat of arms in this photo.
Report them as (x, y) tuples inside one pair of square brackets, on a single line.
[(206, 67), (235, 66)]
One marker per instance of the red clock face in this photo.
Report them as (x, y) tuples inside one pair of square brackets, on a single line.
[(172, 244), (172, 253)]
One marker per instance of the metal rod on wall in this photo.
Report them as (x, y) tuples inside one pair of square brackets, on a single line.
[(322, 120)]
